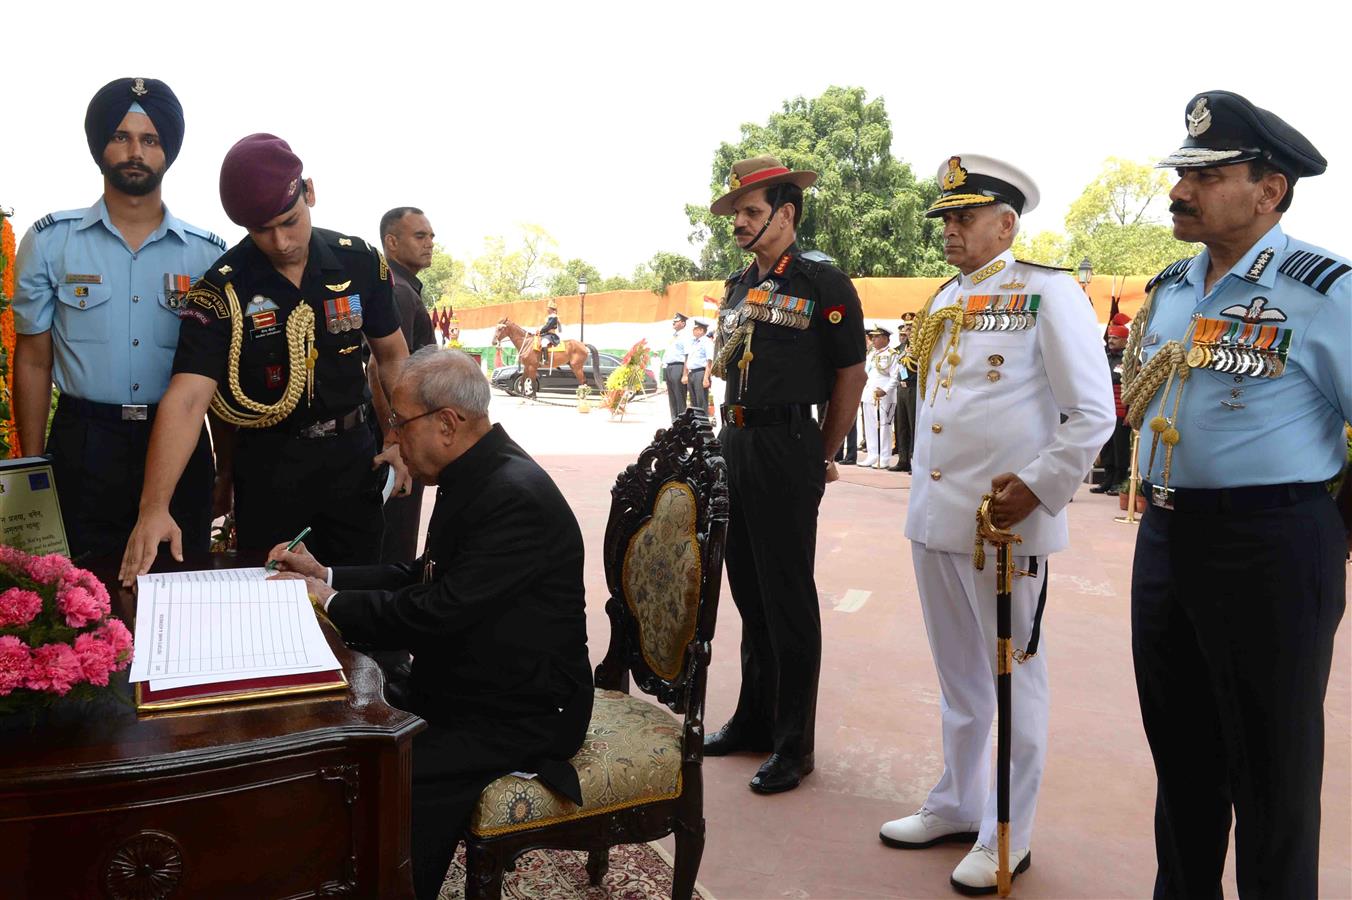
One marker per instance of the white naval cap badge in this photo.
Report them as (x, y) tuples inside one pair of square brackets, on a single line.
[(138, 87), (956, 174), (1199, 120)]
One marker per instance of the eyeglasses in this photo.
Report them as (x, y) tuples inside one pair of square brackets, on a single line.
[(395, 423)]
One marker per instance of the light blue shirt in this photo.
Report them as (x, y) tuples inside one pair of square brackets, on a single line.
[(113, 327), (677, 349), (1238, 429), (701, 350)]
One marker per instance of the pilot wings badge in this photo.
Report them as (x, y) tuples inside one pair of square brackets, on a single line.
[(1255, 313)]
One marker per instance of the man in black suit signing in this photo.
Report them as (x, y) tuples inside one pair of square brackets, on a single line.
[(493, 612)]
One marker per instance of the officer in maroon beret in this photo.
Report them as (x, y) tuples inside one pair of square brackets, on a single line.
[(271, 342)]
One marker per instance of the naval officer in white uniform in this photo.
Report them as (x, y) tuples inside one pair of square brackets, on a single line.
[(1001, 353), (880, 397)]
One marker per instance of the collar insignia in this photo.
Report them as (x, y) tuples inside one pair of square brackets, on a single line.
[(990, 270), (956, 174), (1199, 120), (783, 264), (339, 288), (1254, 313), (138, 87), (1260, 263)]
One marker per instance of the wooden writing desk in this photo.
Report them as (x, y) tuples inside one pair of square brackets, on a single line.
[(299, 797)]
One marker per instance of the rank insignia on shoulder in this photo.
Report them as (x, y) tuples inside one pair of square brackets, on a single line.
[(225, 270), (835, 314), (384, 268), (345, 242), (1314, 270), (1175, 269), (339, 288)]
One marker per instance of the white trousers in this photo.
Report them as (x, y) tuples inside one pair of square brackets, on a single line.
[(878, 438), (959, 607)]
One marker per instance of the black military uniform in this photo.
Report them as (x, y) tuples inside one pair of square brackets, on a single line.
[(777, 474), (549, 332), (313, 468)]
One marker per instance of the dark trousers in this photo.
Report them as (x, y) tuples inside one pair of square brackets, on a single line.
[(699, 394), (776, 478), (99, 463), (284, 483), (446, 788), (1233, 616), (1116, 455), (675, 390), (903, 423)]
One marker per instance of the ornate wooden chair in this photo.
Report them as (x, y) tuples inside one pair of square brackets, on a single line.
[(640, 766)]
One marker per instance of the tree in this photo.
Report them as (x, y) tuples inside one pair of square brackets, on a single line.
[(442, 279), (1115, 223), (867, 208), (500, 275), (565, 281)]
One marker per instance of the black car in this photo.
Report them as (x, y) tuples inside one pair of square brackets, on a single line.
[(560, 380)]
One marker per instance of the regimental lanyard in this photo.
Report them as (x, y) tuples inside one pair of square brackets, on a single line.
[(1239, 348), (1001, 312)]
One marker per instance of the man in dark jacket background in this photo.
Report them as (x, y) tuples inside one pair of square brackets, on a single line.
[(493, 613)]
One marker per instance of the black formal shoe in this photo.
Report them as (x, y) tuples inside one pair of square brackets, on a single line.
[(1112, 492), (899, 468), (1100, 489), (781, 773), (728, 740)]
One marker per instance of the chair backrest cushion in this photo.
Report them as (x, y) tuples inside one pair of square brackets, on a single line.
[(662, 579)]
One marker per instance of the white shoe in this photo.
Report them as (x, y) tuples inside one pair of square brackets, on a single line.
[(867, 461), (975, 875), (925, 829)]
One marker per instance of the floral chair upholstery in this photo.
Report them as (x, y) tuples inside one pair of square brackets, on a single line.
[(640, 764)]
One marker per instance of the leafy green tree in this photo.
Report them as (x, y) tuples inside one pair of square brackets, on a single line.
[(1116, 223), (867, 208), (443, 278), (565, 281), (501, 274)]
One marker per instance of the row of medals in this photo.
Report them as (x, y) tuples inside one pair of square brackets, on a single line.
[(344, 323), (990, 320), (1236, 359)]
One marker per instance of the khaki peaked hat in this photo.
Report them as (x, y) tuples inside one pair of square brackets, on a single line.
[(755, 173)]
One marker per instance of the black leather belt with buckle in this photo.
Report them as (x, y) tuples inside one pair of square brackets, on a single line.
[(1233, 500), (759, 416), (332, 427), (126, 412)]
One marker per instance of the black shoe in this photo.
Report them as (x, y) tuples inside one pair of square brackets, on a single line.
[(781, 773), (1112, 492), (1100, 489), (727, 740), (848, 461), (899, 468)]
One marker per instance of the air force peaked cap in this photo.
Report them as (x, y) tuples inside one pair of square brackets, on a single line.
[(1225, 128)]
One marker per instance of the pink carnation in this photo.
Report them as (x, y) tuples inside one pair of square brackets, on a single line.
[(50, 569), (119, 638), (15, 664), (56, 668), (78, 606), (97, 658), (18, 607), (14, 560)]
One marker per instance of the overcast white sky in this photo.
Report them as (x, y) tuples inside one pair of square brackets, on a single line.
[(598, 121)]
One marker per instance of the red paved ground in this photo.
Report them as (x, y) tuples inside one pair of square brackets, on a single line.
[(878, 740)]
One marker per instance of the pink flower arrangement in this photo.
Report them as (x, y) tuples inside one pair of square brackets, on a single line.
[(56, 634)]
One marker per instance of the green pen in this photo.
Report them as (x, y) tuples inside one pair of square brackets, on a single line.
[(272, 564)]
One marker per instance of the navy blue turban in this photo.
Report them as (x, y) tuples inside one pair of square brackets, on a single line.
[(110, 105)]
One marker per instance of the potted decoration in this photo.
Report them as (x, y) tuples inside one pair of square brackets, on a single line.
[(57, 639), (1124, 491), (583, 403)]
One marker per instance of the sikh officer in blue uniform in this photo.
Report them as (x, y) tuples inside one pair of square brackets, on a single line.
[(96, 308), (1238, 374)]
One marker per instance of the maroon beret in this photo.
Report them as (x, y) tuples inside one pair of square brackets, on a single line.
[(260, 179)]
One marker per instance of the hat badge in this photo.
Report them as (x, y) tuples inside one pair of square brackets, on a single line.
[(1199, 120), (138, 87), (291, 188), (956, 174), (733, 181)]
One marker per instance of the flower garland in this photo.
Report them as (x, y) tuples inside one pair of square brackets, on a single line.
[(9, 437), (57, 638)]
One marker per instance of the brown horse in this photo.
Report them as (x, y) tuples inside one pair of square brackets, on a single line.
[(572, 353)]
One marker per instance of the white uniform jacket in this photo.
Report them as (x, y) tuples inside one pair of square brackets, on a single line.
[(1002, 412), (881, 366)]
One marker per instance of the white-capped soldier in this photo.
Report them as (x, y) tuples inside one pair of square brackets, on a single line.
[(96, 309), (1239, 374), (1014, 401), (880, 397)]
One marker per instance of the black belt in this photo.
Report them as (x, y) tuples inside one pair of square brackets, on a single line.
[(113, 412), (757, 416), (1232, 500), (325, 427), (679, 362)]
